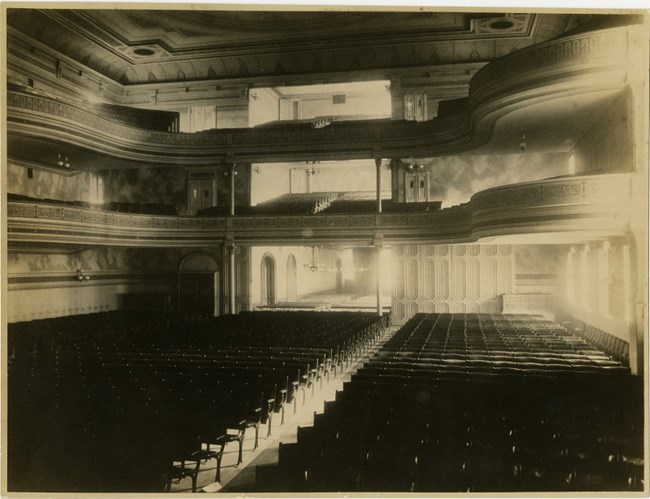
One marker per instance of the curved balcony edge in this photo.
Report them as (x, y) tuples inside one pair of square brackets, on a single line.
[(594, 60), (588, 206)]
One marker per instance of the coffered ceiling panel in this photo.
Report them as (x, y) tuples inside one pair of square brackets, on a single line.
[(144, 46)]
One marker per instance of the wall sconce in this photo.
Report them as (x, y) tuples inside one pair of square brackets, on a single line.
[(410, 164), (63, 161), (226, 173), (522, 145), (81, 277)]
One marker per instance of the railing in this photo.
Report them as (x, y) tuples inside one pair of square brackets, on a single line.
[(573, 205)]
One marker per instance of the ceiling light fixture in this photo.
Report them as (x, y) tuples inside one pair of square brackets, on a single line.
[(319, 267), (313, 266)]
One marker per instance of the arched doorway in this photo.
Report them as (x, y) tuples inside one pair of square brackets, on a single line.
[(268, 280), (292, 279), (198, 284)]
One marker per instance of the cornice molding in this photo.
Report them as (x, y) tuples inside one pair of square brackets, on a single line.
[(595, 206)]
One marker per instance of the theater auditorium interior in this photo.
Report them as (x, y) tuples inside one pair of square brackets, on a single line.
[(251, 250)]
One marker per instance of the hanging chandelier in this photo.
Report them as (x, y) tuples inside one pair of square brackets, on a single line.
[(313, 266), (316, 267)]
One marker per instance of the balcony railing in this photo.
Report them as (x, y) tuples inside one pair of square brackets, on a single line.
[(587, 206)]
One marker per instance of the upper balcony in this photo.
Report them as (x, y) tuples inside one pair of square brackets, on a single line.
[(587, 64)]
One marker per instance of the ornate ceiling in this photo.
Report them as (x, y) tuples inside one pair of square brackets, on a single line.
[(145, 46)]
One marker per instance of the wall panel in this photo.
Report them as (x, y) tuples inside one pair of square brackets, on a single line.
[(398, 277), (442, 279), (428, 278), (412, 279), (451, 278), (474, 279)]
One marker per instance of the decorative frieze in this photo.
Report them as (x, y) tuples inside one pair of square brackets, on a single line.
[(21, 210), (165, 223), (189, 223)]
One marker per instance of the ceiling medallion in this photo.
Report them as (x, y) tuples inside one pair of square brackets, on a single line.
[(510, 24), (144, 52), (501, 24)]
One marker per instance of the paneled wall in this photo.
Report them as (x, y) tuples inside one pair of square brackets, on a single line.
[(463, 278)]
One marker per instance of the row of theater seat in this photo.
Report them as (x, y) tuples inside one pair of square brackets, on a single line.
[(435, 411), (323, 203), (618, 348), (112, 412), (287, 204), (345, 205)]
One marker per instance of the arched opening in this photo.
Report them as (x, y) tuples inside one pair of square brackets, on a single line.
[(198, 284), (292, 279), (268, 280)]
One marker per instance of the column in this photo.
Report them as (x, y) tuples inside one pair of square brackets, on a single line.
[(231, 279), (232, 188), (378, 166)]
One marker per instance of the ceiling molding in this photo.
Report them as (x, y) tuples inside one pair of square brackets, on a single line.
[(142, 46)]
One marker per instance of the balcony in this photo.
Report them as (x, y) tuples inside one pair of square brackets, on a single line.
[(567, 210), (585, 63)]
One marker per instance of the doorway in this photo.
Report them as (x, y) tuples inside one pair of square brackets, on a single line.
[(198, 284)]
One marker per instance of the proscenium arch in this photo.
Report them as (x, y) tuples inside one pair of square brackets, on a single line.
[(267, 279)]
